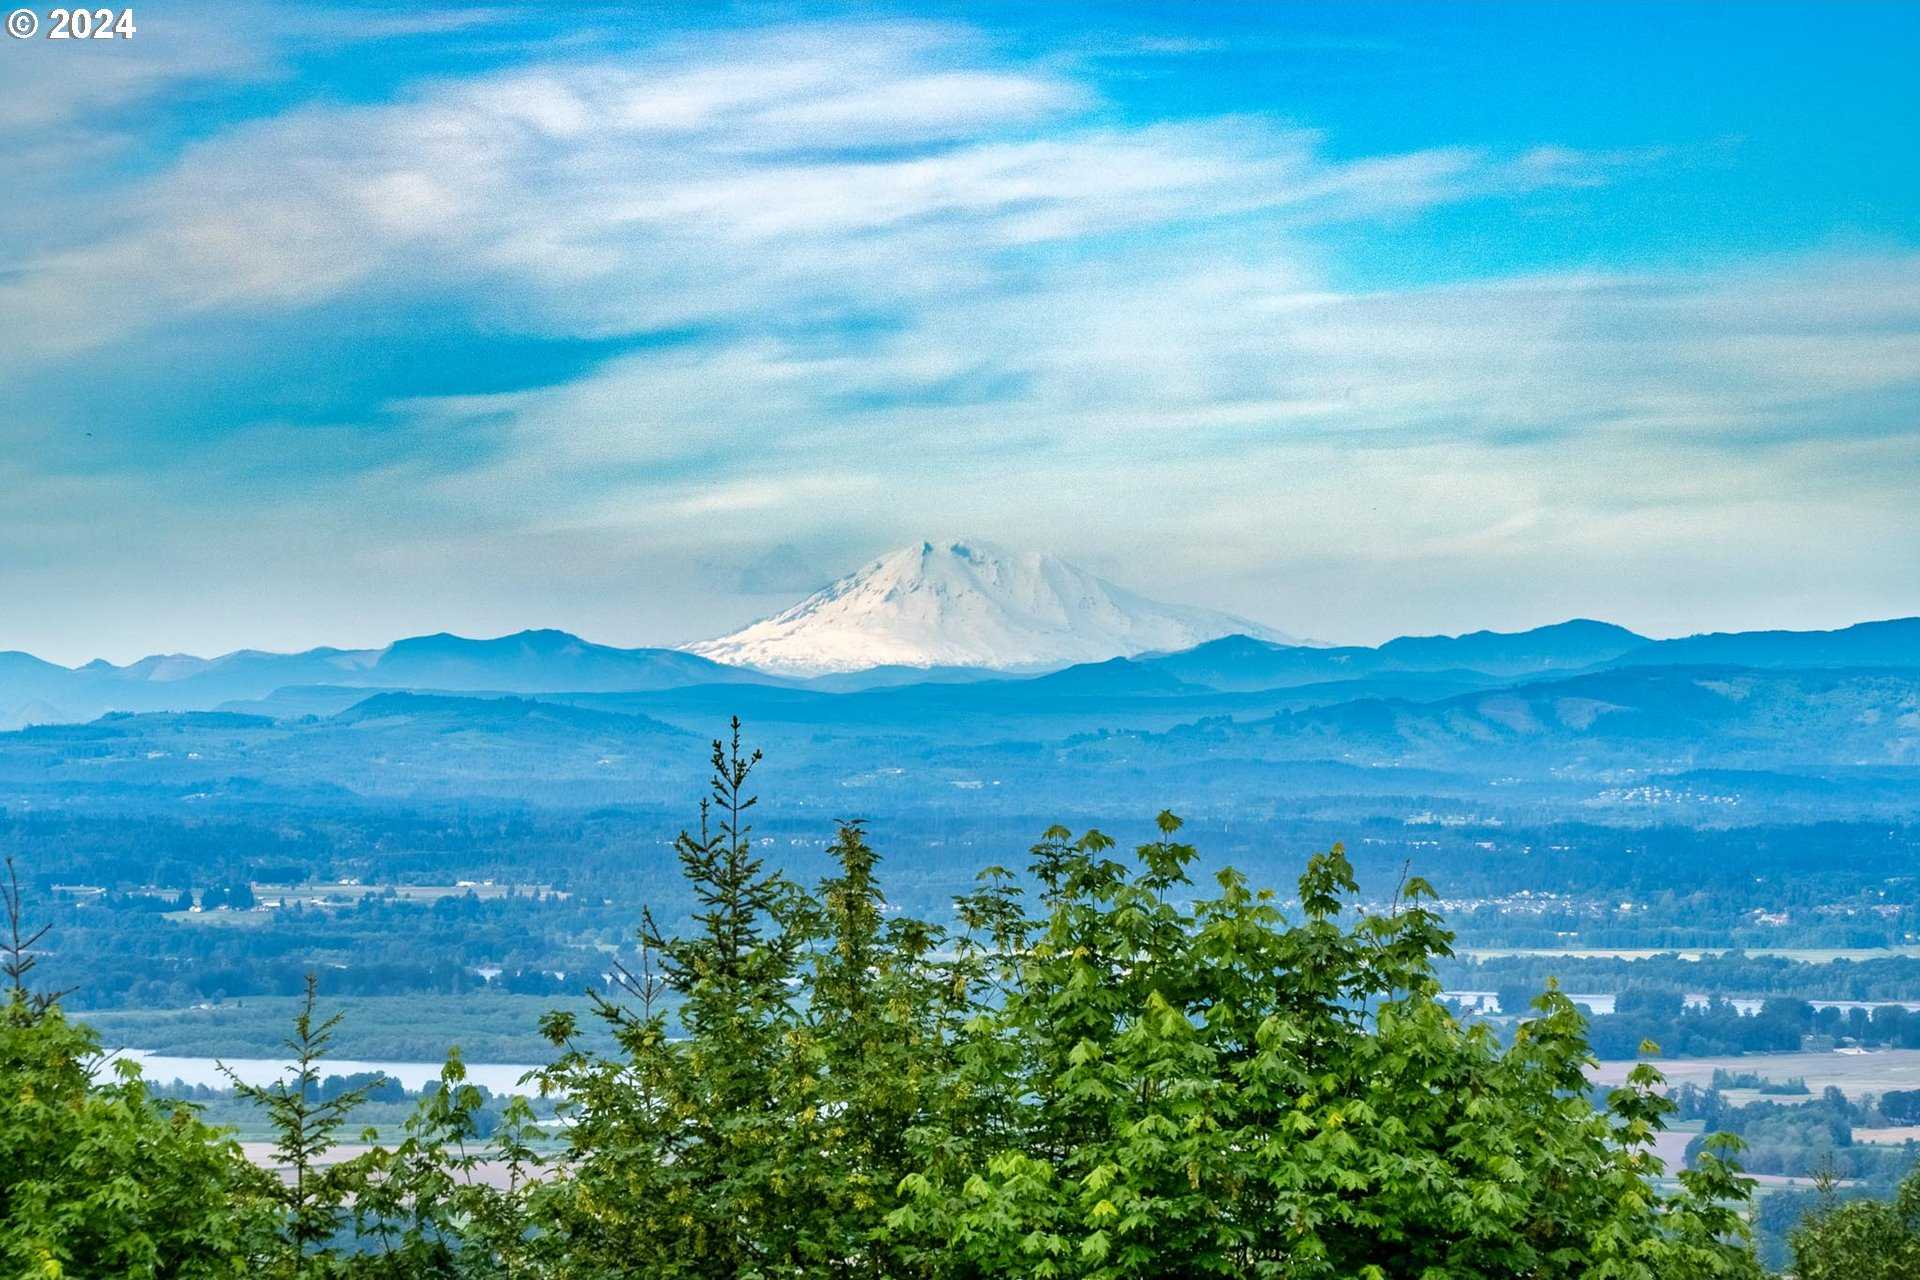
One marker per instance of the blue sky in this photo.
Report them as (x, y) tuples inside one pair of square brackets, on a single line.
[(331, 324)]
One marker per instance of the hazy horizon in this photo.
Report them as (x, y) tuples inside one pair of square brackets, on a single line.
[(368, 638)]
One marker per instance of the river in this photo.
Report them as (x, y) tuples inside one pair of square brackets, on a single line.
[(499, 1077)]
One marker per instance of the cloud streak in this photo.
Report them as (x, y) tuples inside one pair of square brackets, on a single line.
[(803, 172), (875, 281)]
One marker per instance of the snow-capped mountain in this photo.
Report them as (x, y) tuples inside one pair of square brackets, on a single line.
[(967, 604)]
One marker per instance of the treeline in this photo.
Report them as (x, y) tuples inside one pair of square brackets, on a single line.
[(1118, 1074), (1811, 1140), (1838, 884), (370, 1086), (1782, 1024), (380, 1104), (1674, 920), (1808, 1139), (376, 946), (1895, 977), (238, 897), (1837, 1232)]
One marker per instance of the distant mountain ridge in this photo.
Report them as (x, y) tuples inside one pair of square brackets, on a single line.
[(324, 680), (1581, 719), (449, 713), (1640, 715), (968, 603), (1893, 643), (525, 662), (1630, 742), (1563, 646), (1244, 662)]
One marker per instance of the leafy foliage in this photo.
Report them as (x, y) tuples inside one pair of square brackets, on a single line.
[(98, 1178), (1862, 1239), (426, 1208), (1204, 1089)]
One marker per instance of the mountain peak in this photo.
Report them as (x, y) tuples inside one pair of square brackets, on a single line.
[(967, 602)]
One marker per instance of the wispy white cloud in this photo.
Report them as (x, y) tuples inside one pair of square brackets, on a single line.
[(787, 173), (893, 283), (50, 93), (1302, 452)]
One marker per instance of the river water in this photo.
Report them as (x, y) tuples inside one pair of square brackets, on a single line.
[(158, 1068)]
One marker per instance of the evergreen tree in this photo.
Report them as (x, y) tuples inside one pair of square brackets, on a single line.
[(314, 1195), (681, 1151), (871, 1056)]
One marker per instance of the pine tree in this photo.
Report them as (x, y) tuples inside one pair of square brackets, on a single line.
[(875, 1039), (16, 952), (683, 1150), (307, 1127)]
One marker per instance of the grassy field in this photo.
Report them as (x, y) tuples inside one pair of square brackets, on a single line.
[(1854, 1074), (485, 890), (341, 893), (488, 1027)]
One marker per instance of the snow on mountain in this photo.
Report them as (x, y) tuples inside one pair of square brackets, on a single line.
[(968, 604)]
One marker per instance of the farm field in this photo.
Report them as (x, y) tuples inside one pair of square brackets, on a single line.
[(488, 1026), (1854, 1073), (1892, 1135)]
